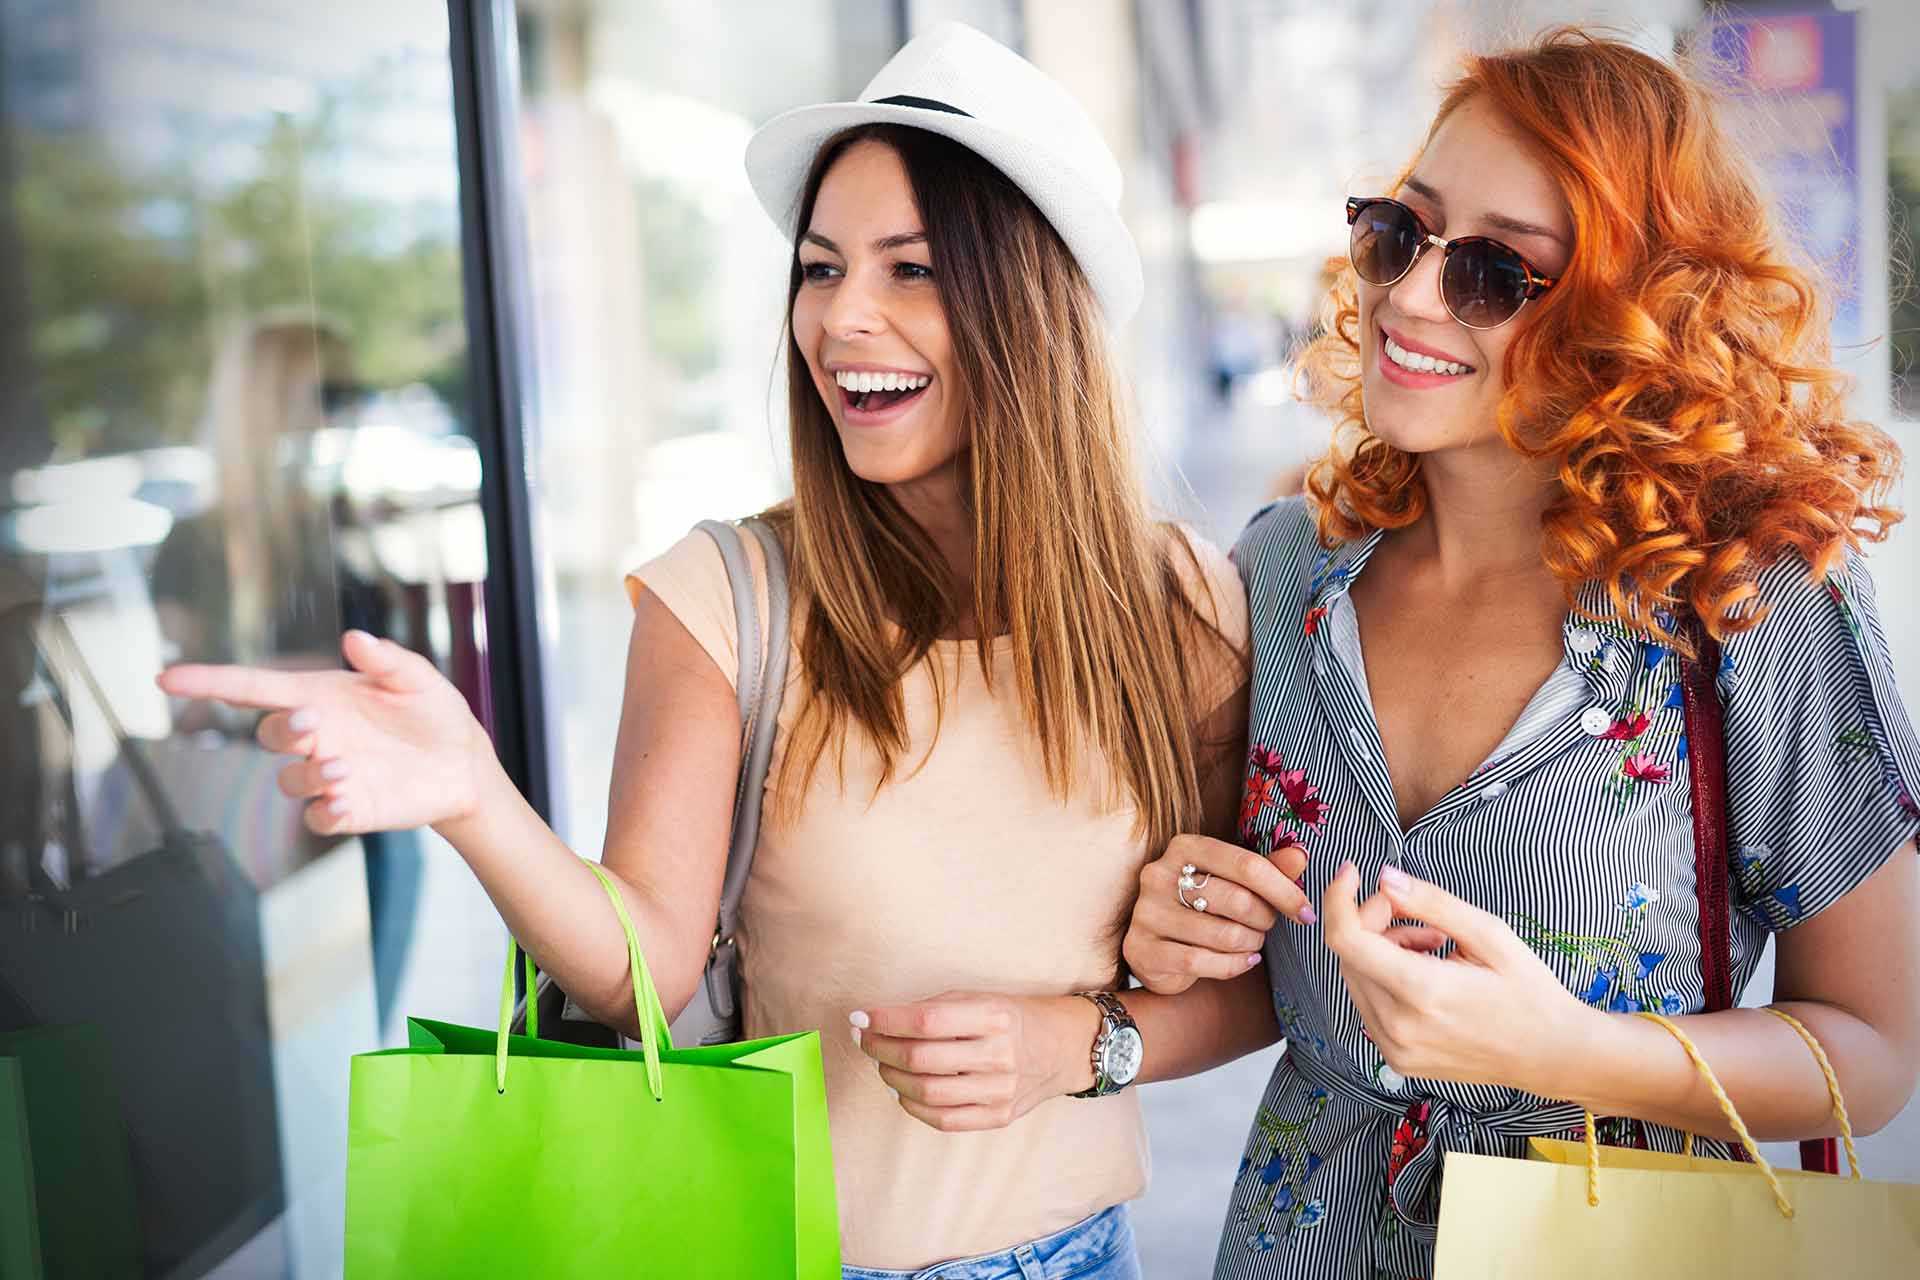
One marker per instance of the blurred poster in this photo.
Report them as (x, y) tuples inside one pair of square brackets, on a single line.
[(1798, 73)]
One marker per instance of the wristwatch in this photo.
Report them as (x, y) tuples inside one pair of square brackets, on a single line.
[(1116, 1050)]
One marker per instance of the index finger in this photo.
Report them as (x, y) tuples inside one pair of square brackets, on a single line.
[(927, 1020), (254, 687), (1357, 931), (1478, 933), (1245, 868)]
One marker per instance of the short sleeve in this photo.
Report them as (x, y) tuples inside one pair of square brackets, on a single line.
[(1219, 599), (690, 579), (1822, 762)]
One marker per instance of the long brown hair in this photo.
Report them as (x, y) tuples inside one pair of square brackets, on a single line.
[(1678, 377), (1068, 562)]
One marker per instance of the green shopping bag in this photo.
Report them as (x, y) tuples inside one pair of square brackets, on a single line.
[(478, 1153), (67, 1198), (19, 1222)]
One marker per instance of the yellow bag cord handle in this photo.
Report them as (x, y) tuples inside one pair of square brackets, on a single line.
[(1726, 1108), (1833, 1092), (1833, 1089)]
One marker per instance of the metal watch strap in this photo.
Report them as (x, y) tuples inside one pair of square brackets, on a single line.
[(1113, 1017)]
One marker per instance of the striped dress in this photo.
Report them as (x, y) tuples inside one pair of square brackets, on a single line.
[(1577, 830)]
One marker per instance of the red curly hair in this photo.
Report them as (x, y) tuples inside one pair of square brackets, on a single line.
[(1679, 376)]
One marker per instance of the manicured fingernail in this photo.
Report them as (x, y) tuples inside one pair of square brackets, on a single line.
[(303, 720), (859, 1019), (334, 770), (1394, 878), (856, 1035), (1253, 960), (895, 1092), (1308, 916), (337, 806), (1347, 866)]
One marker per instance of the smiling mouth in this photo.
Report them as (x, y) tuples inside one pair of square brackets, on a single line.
[(875, 401), (1416, 362), (878, 392)]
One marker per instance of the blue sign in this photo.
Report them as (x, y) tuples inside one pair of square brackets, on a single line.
[(1801, 72)]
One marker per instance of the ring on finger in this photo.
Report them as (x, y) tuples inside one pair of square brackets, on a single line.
[(1188, 881), (1193, 904)]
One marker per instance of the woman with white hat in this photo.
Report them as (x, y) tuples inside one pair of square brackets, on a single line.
[(1009, 688)]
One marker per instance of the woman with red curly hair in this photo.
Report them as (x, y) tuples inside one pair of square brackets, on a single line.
[(1587, 405)]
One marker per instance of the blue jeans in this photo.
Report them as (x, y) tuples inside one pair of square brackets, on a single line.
[(1100, 1248)]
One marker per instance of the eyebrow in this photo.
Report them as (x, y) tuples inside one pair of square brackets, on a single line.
[(885, 244), (1498, 221)]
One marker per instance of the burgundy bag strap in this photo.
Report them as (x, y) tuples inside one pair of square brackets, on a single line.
[(1707, 770)]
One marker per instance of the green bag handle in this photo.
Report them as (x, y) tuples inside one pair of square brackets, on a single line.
[(652, 1015)]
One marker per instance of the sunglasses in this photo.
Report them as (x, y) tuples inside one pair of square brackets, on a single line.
[(1482, 282)]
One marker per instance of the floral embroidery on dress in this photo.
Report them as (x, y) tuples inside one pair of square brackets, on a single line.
[(1271, 785), (1294, 1027), (1622, 972), (1839, 595), (1644, 768), (1856, 742), (1409, 1139), (1279, 1181), (1324, 573), (1314, 615), (1627, 730), (1632, 728), (1768, 908), (1639, 898)]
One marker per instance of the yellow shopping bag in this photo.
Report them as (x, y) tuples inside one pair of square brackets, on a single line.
[(1577, 1211)]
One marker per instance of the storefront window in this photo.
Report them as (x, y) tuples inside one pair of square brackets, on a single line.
[(235, 401)]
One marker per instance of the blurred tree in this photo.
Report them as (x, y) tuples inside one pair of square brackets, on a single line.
[(1903, 244), (129, 272)]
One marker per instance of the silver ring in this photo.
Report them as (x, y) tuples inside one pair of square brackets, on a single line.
[(1197, 904), (1188, 882)]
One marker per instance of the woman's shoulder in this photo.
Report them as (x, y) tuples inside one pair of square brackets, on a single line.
[(693, 563), (1822, 760), (1207, 579), (1280, 539), (691, 579), (1808, 619)]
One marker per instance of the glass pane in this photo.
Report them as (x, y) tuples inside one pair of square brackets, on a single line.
[(659, 287), (235, 397)]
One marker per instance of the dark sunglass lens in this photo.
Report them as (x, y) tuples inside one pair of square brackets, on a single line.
[(1483, 284), (1385, 239)]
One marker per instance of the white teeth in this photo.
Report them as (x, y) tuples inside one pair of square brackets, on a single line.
[(864, 382), (1421, 363)]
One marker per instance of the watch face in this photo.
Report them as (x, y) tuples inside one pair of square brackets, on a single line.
[(1122, 1057)]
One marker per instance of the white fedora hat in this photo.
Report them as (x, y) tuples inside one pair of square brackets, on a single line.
[(957, 82)]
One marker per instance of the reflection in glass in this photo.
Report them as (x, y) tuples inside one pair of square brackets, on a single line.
[(233, 368)]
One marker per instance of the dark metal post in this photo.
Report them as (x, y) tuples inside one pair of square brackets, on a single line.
[(500, 333)]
